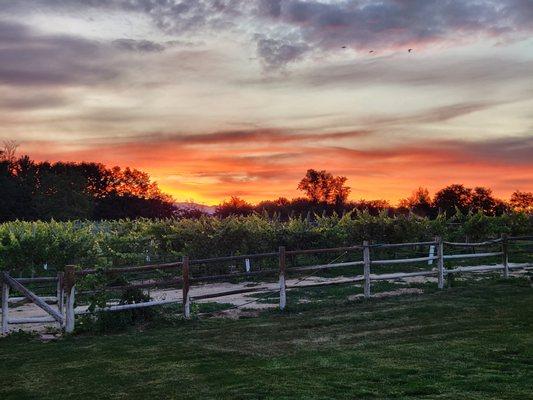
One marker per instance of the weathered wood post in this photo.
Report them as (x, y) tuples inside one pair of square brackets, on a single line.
[(366, 260), (247, 265), (59, 292), (185, 288), (282, 273), (5, 306), (69, 287), (440, 261), (505, 255)]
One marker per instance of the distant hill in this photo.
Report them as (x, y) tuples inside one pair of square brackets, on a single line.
[(189, 206)]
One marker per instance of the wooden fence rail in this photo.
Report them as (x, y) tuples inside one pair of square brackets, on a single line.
[(66, 281)]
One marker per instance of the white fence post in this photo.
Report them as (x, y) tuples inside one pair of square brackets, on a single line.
[(282, 272), (185, 290), (440, 261), (366, 259), (70, 290), (59, 292), (505, 255), (431, 254), (247, 264), (5, 307)]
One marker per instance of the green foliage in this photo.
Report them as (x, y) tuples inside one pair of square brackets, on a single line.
[(119, 320), (26, 247)]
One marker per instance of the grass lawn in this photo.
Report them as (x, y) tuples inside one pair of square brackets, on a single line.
[(471, 341)]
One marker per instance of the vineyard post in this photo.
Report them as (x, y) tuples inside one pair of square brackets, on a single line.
[(185, 294), (5, 307), (69, 285), (366, 260), (505, 255), (431, 254), (282, 272), (440, 261)]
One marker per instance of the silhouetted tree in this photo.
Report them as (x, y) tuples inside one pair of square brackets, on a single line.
[(281, 207), (373, 207), (483, 200), (451, 197), (62, 191), (8, 151), (16, 199), (419, 203), (522, 201), (234, 206), (322, 186)]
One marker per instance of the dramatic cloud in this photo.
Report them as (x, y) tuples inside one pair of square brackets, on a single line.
[(393, 24), (222, 97), (32, 59), (256, 136), (258, 173), (441, 71), (277, 53), (321, 26)]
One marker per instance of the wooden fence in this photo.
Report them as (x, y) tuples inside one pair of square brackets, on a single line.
[(65, 313)]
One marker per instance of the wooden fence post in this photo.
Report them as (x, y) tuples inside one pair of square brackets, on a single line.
[(69, 285), (366, 259), (186, 283), (5, 307), (282, 273), (247, 264), (440, 261), (505, 255), (59, 292)]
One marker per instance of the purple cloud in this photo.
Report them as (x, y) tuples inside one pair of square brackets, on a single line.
[(285, 30)]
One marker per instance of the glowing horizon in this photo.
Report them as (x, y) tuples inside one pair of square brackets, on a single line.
[(215, 98)]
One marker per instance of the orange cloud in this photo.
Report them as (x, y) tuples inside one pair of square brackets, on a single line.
[(259, 165)]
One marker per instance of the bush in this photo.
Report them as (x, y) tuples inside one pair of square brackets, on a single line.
[(117, 321), (26, 247)]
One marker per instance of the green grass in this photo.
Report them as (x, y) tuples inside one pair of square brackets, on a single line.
[(471, 341)]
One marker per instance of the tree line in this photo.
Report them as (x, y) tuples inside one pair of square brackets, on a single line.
[(62, 191), (31, 190), (326, 194)]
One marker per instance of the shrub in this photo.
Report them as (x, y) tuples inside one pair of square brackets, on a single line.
[(26, 247)]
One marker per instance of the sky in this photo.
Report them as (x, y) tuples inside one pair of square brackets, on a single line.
[(216, 98)]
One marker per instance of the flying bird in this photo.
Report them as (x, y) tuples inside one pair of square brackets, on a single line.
[(371, 51), (343, 47), (410, 50)]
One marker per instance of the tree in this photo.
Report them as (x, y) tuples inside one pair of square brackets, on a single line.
[(451, 197), (281, 206), (419, 202), (483, 201), (234, 206), (322, 186), (65, 191), (16, 201), (8, 151), (522, 201), (373, 207), (61, 193)]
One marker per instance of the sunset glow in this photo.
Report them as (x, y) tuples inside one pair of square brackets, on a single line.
[(233, 97)]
